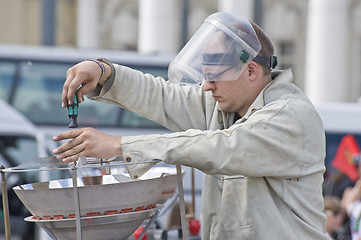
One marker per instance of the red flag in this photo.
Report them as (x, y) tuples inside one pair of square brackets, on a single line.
[(344, 159)]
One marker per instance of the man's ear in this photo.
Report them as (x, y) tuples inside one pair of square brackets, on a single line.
[(253, 70)]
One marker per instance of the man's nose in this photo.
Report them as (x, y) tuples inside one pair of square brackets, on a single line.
[(209, 86)]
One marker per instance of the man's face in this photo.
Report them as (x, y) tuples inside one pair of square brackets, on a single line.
[(231, 95), (229, 84)]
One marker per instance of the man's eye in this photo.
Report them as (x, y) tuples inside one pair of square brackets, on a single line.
[(209, 77)]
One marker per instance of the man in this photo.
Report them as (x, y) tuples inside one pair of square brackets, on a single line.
[(255, 135), (351, 201), (335, 215)]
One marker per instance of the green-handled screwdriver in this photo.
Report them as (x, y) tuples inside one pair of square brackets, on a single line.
[(73, 113)]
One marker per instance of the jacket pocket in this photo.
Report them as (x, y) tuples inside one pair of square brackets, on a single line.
[(241, 202)]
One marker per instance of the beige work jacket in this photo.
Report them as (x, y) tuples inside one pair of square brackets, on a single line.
[(263, 173)]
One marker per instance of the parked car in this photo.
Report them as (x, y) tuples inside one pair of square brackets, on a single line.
[(20, 141), (31, 79)]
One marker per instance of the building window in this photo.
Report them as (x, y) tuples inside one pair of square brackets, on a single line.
[(286, 54)]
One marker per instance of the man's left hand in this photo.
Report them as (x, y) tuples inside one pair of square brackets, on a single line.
[(87, 142)]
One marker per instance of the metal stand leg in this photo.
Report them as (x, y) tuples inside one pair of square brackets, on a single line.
[(47, 231), (4, 191), (181, 203), (77, 204), (152, 219)]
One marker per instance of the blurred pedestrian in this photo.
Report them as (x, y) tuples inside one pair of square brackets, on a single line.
[(334, 213), (351, 202)]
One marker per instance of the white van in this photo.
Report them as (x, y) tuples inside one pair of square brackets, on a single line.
[(31, 80), (20, 141)]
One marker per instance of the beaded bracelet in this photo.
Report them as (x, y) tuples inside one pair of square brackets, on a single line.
[(100, 64)]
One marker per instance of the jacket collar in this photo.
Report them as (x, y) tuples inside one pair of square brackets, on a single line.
[(279, 86)]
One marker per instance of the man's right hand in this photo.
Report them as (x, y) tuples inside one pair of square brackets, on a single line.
[(81, 79)]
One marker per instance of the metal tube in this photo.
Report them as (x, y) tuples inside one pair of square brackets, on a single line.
[(153, 218), (193, 192), (5, 205), (77, 204), (181, 203), (47, 231)]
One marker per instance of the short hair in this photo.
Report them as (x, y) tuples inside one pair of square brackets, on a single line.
[(267, 49), (332, 203)]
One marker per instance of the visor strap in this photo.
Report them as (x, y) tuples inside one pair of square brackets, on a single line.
[(218, 59), (270, 62)]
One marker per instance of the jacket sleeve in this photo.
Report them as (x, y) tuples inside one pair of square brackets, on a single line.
[(275, 141), (174, 106)]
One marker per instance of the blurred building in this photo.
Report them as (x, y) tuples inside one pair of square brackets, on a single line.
[(319, 39)]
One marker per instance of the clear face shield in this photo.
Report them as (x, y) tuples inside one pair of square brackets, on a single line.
[(219, 51)]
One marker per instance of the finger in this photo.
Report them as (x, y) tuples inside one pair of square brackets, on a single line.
[(84, 89), (73, 87), (79, 96), (70, 159), (72, 153), (68, 134), (68, 146), (64, 94), (70, 87)]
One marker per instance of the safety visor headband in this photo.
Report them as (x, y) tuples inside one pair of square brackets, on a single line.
[(230, 59), (270, 62), (218, 59)]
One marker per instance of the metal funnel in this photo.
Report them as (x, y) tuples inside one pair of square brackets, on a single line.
[(116, 204), (118, 226)]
